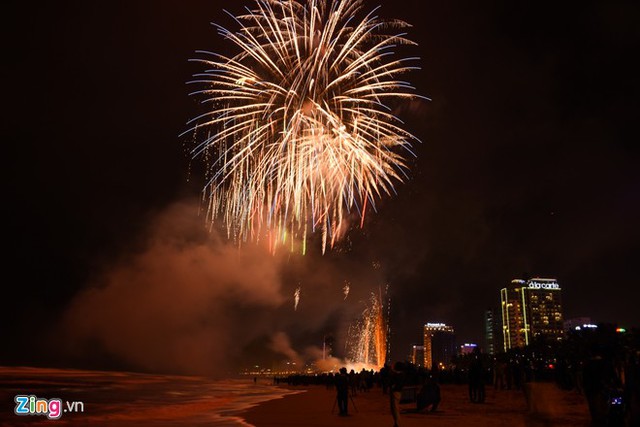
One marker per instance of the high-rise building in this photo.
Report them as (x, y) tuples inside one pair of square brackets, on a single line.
[(417, 355), (492, 331), (439, 345), (531, 308), (511, 304)]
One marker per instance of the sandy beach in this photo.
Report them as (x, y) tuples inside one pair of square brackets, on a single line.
[(132, 399), (315, 407)]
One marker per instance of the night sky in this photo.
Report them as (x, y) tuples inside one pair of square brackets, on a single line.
[(528, 167)]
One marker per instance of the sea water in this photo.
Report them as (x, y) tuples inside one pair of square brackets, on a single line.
[(125, 398)]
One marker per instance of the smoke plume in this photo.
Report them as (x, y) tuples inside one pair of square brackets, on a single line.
[(187, 301)]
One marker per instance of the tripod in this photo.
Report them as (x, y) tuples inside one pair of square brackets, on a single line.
[(350, 398)]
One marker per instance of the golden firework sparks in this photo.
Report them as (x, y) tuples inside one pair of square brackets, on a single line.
[(299, 133)]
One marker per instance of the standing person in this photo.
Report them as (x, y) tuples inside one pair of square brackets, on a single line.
[(598, 374), (353, 382), (342, 392), (476, 377), (398, 379), (385, 373)]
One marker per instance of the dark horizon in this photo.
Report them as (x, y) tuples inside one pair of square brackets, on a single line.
[(528, 167)]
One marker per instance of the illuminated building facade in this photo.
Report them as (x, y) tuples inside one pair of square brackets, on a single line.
[(468, 348), (417, 355), (531, 308), (439, 344), (492, 331)]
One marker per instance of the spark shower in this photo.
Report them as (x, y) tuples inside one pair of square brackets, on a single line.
[(367, 341), (299, 131)]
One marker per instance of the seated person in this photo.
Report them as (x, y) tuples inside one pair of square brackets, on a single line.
[(429, 395)]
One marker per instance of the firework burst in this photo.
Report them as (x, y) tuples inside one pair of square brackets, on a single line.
[(299, 132)]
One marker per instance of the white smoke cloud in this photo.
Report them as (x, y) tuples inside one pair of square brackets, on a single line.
[(189, 302), (281, 344), (177, 304)]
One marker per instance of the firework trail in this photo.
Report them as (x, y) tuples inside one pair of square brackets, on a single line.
[(296, 299), (345, 290), (299, 131)]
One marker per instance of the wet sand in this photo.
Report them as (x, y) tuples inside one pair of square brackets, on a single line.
[(124, 399), (508, 408)]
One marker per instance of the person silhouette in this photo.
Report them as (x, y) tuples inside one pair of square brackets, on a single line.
[(476, 377), (398, 378), (342, 392), (429, 395)]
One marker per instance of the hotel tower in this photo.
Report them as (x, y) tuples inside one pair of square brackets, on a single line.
[(439, 345), (531, 308)]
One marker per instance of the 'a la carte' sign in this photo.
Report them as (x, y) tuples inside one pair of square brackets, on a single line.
[(534, 284)]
